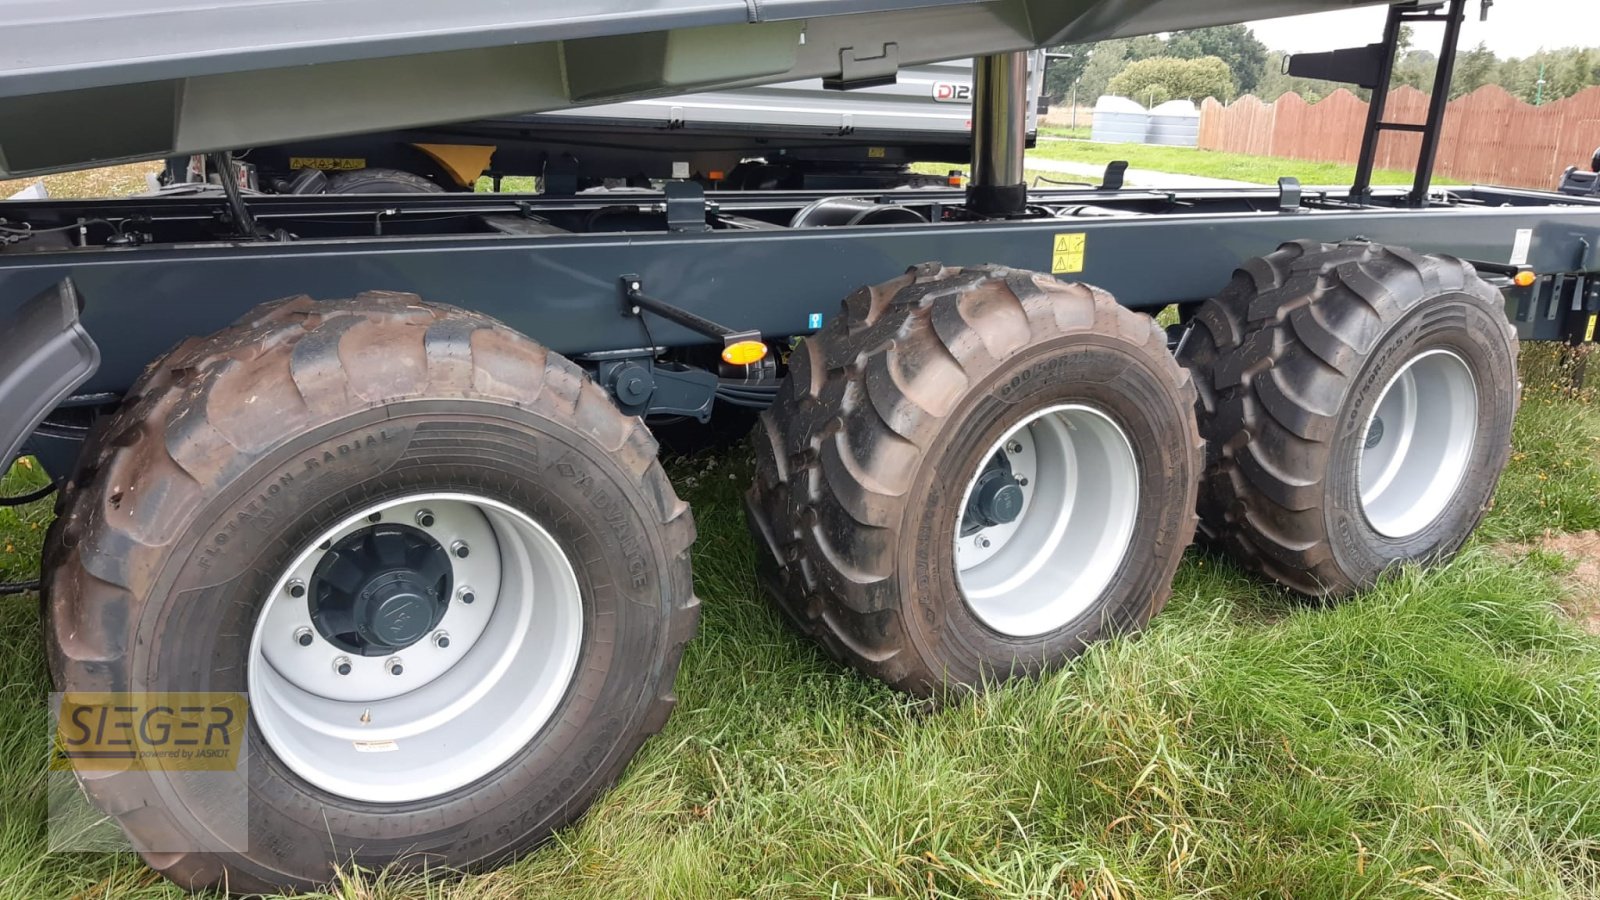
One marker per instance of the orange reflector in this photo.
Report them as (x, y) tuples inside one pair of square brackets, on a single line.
[(744, 353), (717, 175), (1525, 279)]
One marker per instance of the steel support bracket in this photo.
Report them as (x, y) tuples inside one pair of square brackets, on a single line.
[(1289, 195), (686, 207), (635, 302), (1116, 175), (859, 71)]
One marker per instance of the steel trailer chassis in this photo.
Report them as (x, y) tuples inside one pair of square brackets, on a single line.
[(168, 267)]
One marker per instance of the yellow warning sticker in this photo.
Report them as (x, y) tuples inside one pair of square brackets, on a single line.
[(877, 152), (326, 163), (1067, 254), (1589, 336)]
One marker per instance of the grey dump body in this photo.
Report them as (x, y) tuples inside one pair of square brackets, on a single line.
[(98, 81)]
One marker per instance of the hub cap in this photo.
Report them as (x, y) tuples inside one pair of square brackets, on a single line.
[(380, 589), (415, 647), (1047, 520), (1418, 443)]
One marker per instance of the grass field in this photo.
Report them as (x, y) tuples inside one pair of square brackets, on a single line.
[(1435, 737), (1080, 133), (1213, 164)]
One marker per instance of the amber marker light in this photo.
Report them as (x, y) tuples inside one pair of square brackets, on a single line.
[(744, 353)]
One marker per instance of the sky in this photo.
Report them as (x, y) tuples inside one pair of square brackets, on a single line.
[(1515, 28)]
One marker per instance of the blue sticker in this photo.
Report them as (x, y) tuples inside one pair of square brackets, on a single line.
[(814, 320)]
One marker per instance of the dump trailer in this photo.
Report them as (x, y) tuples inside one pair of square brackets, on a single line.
[(385, 465)]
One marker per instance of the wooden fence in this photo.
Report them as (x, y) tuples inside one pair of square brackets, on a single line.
[(1490, 136)]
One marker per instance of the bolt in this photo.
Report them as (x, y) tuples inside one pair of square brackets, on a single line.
[(983, 542), (441, 640), (297, 588), (425, 518), (375, 517), (636, 285), (302, 636), (466, 595), (460, 549), (1022, 482), (394, 666), (341, 665), (1014, 447)]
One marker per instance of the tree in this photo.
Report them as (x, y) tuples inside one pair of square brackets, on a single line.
[(1235, 45), (1107, 58), (1164, 78), (1062, 71), (1474, 69), (1417, 68), (1571, 74)]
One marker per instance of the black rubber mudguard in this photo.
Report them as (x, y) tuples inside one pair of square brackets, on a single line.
[(45, 353)]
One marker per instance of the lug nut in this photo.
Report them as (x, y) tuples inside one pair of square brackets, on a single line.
[(1023, 482), (465, 594), (297, 588), (302, 636), (460, 549), (375, 517), (1014, 447), (342, 665), (983, 542), (393, 665), (425, 518), (325, 545), (441, 640)]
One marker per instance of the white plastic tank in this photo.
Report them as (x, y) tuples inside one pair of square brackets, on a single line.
[(1119, 120), (1175, 123)]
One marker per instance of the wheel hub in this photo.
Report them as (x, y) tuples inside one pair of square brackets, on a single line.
[(392, 663), (996, 498), (1374, 433), (380, 589), (1418, 444), (1047, 520)]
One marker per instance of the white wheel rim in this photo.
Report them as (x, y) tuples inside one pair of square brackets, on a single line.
[(456, 712), (1043, 569), (1418, 442)]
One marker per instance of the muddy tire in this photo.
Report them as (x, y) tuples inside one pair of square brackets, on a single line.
[(1357, 403), (275, 446), (898, 421)]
